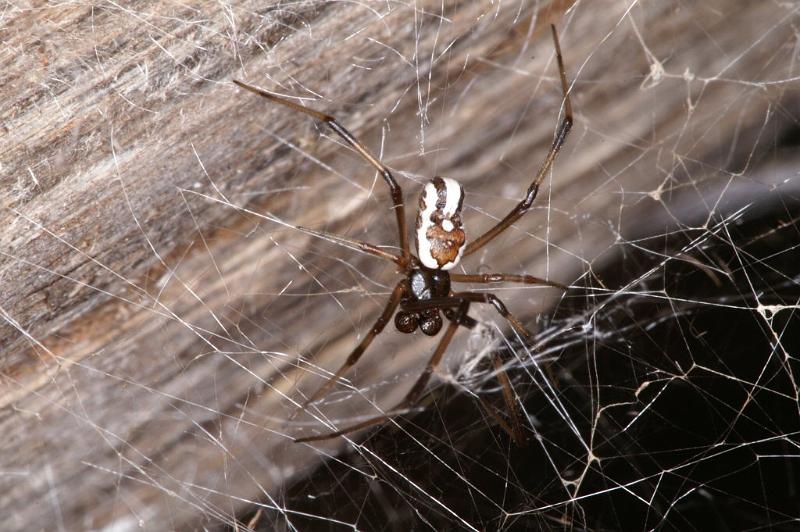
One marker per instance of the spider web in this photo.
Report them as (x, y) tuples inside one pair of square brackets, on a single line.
[(660, 391)]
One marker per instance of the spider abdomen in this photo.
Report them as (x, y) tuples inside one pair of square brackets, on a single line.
[(440, 236)]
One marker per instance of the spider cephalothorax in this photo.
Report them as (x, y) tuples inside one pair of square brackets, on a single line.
[(424, 294), (440, 234)]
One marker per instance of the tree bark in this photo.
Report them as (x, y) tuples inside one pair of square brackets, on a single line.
[(161, 311)]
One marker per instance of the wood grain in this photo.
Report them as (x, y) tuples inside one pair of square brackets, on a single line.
[(160, 309)]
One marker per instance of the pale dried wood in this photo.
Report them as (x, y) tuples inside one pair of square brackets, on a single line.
[(151, 328)]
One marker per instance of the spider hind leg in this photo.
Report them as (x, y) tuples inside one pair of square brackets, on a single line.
[(355, 355), (414, 395)]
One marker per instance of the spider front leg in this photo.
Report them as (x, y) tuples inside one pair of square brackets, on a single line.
[(561, 136), (414, 395), (487, 278), (394, 189), (355, 355)]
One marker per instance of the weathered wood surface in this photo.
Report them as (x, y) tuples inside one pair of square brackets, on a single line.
[(150, 328)]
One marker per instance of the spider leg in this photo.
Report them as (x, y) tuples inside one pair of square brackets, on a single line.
[(509, 397), (357, 245), (415, 393), (515, 429), (394, 189), (413, 396), (561, 136), (462, 301), (475, 297), (442, 303), (355, 355), (498, 306), (487, 278)]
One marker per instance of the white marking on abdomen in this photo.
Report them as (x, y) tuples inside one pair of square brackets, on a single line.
[(453, 197), (423, 245), (453, 192)]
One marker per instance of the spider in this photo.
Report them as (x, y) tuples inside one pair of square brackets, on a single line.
[(425, 292)]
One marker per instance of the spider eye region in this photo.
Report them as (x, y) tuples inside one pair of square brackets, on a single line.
[(440, 235)]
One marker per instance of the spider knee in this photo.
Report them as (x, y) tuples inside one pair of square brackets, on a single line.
[(497, 304), (529, 197), (464, 321)]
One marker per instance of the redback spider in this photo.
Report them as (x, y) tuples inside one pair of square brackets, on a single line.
[(424, 293)]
